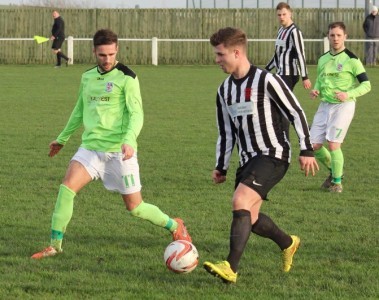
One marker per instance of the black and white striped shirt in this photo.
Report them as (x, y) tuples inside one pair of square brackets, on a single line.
[(289, 57), (250, 113)]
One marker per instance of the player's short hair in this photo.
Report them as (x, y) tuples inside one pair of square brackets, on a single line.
[(337, 24), (104, 37), (229, 36), (282, 5)]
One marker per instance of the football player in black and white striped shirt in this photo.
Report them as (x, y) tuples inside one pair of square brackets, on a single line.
[(251, 106), (289, 56)]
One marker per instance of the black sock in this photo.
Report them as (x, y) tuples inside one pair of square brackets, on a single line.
[(58, 59), (239, 235), (62, 55), (266, 227)]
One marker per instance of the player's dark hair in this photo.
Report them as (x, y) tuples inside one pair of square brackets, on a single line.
[(337, 24), (229, 36), (104, 37)]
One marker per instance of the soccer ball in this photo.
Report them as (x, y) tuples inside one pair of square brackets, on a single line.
[(181, 256)]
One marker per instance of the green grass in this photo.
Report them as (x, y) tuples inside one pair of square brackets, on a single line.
[(110, 255)]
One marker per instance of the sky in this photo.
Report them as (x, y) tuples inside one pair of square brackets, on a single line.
[(200, 3)]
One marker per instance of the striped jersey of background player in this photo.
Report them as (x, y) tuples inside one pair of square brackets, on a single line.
[(289, 56)]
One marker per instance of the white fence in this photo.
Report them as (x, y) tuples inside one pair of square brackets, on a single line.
[(155, 44)]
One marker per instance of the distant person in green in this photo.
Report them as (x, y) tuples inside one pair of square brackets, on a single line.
[(58, 37), (341, 78), (109, 107)]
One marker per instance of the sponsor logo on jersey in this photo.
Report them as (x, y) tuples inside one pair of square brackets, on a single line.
[(100, 98)]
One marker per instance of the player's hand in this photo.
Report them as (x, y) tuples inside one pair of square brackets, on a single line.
[(55, 147), (307, 84), (341, 96), (314, 94), (308, 164), (218, 177), (127, 151)]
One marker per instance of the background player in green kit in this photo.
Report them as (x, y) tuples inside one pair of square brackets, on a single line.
[(341, 78), (109, 106)]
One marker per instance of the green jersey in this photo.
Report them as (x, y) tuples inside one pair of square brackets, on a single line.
[(109, 106), (340, 73)]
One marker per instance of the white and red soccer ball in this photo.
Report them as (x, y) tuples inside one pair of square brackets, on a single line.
[(181, 256)]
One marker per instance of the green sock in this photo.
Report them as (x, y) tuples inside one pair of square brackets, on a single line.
[(62, 215), (323, 156), (154, 215), (337, 165)]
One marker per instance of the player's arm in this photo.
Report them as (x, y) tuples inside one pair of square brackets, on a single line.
[(288, 103), (364, 83), (316, 89), (133, 102), (74, 122), (225, 141), (271, 64), (298, 41)]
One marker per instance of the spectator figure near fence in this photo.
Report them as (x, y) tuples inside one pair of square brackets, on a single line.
[(371, 29), (341, 78), (289, 56), (58, 36)]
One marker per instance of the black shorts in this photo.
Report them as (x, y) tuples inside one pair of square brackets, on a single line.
[(290, 80), (57, 43), (261, 174)]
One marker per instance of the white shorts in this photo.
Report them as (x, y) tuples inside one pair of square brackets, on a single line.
[(331, 122), (116, 174)]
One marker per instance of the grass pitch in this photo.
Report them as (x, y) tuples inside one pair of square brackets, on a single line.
[(110, 255)]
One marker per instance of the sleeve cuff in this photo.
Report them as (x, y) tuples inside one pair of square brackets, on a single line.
[(308, 153), (223, 172)]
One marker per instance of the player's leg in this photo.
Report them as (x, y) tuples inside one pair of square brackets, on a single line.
[(268, 173), (62, 55), (374, 52), (58, 59), (265, 227), (323, 156), (75, 179), (56, 47), (318, 137), (243, 199), (370, 53), (124, 177), (337, 162), (340, 120)]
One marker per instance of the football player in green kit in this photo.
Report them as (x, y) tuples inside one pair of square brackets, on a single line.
[(109, 107), (341, 78)]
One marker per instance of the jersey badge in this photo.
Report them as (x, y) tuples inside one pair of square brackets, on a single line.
[(339, 67), (109, 87), (248, 93)]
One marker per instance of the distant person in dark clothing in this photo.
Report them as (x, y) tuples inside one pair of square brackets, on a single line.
[(371, 29), (58, 36)]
